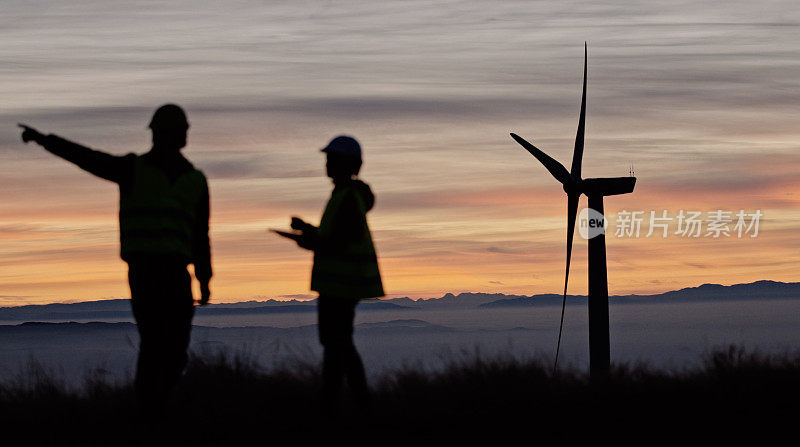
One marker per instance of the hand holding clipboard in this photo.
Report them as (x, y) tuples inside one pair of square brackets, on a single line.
[(287, 234)]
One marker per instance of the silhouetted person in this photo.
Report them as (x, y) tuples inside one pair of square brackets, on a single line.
[(163, 218), (345, 269)]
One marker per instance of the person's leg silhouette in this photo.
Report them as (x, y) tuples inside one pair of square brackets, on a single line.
[(162, 306), (340, 358)]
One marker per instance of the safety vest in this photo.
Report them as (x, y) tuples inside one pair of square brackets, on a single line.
[(157, 216), (353, 271)]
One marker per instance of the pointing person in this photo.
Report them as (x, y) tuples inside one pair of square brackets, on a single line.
[(163, 220), (345, 269)]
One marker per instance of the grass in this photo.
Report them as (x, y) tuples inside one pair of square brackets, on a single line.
[(227, 399)]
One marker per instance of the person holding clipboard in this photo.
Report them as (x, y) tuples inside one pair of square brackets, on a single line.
[(345, 270)]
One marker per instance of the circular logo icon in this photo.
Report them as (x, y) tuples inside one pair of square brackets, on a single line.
[(591, 223)]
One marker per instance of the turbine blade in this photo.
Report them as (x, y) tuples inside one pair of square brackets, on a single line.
[(572, 212), (556, 169), (577, 156)]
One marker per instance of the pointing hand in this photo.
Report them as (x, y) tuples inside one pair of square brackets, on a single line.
[(29, 133)]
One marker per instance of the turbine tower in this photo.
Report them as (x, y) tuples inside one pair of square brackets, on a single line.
[(595, 189)]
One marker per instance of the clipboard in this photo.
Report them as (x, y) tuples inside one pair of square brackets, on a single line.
[(287, 234)]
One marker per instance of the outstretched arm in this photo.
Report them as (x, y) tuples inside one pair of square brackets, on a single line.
[(101, 164)]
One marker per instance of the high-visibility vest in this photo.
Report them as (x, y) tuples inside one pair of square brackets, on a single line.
[(157, 216), (352, 271)]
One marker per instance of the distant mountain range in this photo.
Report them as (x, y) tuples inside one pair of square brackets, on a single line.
[(759, 290), (120, 309)]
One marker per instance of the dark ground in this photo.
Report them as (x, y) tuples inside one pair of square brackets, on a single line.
[(228, 400)]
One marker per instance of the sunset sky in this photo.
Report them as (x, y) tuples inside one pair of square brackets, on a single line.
[(702, 98)]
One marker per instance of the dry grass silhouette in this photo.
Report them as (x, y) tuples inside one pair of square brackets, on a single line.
[(228, 399)]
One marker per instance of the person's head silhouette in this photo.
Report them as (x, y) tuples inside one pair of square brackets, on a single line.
[(344, 158), (169, 126)]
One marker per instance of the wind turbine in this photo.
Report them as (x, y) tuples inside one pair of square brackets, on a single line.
[(595, 189)]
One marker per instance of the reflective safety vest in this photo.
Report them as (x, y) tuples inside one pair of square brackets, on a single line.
[(157, 216), (350, 271)]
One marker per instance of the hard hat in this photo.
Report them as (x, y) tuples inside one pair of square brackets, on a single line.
[(344, 145), (169, 116)]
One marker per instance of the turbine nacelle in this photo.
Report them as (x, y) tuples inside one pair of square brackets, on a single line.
[(609, 186)]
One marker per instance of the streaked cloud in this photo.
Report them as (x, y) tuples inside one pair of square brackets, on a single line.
[(699, 96)]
